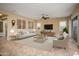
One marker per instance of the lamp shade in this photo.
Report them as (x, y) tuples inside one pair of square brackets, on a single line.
[(38, 25)]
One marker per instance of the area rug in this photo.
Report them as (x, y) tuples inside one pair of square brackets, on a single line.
[(40, 40)]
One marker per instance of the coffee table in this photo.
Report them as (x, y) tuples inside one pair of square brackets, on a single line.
[(51, 38)]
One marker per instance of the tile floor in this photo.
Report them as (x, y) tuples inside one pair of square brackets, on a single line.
[(19, 48)]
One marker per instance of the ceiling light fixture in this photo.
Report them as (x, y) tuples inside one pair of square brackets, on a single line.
[(45, 16), (0, 14)]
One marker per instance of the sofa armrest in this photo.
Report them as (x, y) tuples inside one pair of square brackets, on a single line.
[(60, 43)]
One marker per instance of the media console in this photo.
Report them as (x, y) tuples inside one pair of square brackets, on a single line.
[(50, 34)]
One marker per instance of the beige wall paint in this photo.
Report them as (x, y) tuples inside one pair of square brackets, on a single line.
[(11, 17), (54, 21)]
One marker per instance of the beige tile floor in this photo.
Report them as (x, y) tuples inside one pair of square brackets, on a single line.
[(45, 46), (18, 48)]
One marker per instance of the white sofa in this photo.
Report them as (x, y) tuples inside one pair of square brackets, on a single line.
[(22, 35)]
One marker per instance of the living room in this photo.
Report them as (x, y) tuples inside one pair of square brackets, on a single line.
[(40, 30)]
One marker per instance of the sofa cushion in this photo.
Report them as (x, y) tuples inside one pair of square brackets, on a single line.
[(61, 38)]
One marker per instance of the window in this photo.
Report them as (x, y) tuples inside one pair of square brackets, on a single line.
[(62, 25), (21, 24), (30, 24), (1, 27)]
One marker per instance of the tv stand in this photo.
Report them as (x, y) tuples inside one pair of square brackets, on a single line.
[(50, 33)]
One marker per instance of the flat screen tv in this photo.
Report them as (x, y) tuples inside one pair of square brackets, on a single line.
[(48, 26)]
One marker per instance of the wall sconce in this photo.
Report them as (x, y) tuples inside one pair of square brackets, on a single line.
[(13, 22)]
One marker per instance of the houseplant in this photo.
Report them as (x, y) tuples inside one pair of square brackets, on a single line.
[(65, 30)]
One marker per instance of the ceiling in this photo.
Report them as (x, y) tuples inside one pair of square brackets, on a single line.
[(35, 10)]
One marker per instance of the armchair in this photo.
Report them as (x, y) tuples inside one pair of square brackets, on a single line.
[(60, 43)]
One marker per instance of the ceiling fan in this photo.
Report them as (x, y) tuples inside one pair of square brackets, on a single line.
[(45, 16)]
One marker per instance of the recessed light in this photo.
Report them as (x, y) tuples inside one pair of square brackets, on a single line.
[(0, 14)]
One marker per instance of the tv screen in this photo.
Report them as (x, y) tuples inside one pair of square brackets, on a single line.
[(48, 26)]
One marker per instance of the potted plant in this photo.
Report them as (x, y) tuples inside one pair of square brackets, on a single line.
[(65, 30)]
